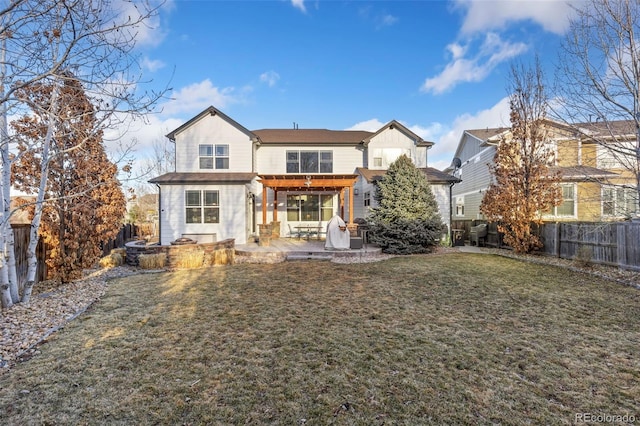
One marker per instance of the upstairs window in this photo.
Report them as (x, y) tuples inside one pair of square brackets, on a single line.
[(616, 155), (460, 206), (309, 161), (367, 199), (213, 155), (206, 156), (222, 156), (618, 202), (202, 206)]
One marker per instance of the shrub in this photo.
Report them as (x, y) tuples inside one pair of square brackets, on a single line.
[(111, 261), (406, 236), (121, 251), (152, 261)]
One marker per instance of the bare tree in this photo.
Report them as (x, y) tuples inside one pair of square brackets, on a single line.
[(523, 184), (598, 88), (44, 42)]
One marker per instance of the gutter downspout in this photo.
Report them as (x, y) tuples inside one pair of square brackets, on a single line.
[(159, 214), (451, 213)]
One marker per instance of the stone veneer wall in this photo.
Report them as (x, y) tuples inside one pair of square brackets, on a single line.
[(218, 253)]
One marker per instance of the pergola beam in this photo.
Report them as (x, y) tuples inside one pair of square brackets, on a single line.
[(307, 183)]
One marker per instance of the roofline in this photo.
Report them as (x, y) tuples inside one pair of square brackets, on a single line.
[(402, 128), (212, 111)]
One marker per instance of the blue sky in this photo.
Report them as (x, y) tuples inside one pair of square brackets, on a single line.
[(439, 67)]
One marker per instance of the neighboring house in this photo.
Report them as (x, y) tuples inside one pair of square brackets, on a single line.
[(229, 179), (592, 179)]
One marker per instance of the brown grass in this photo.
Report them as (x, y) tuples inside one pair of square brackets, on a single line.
[(441, 339)]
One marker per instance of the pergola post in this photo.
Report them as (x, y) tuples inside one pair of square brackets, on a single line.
[(275, 205), (351, 204), (264, 204)]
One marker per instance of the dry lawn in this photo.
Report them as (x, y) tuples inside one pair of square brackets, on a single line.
[(442, 339)]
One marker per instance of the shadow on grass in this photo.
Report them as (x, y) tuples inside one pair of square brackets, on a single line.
[(447, 339)]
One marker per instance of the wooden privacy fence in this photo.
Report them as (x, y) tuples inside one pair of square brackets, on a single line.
[(21, 237), (605, 243), (127, 233), (612, 243)]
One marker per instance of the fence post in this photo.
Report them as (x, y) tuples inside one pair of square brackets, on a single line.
[(622, 245), (556, 248)]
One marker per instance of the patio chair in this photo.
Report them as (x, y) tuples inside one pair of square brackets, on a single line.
[(478, 234), (298, 233)]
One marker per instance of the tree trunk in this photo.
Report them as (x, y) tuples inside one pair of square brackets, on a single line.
[(26, 294), (5, 296)]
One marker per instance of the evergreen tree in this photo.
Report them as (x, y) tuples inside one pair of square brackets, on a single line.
[(84, 203), (407, 219)]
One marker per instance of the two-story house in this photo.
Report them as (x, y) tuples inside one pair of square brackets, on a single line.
[(229, 179), (596, 183)]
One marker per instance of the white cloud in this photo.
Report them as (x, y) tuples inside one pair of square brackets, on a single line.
[(491, 53), (372, 125), (426, 133), (198, 96), (480, 16), (379, 19), (270, 78), (152, 65), (149, 32), (386, 21), (442, 153), (299, 4)]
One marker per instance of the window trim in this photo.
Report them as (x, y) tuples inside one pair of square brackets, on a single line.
[(206, 156), (222, 156), (628, 195), (203, 208), (459, 206), (554, 209), (211, 155), (296, 166)]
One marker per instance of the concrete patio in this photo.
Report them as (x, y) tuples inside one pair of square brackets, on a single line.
[(281, 249)]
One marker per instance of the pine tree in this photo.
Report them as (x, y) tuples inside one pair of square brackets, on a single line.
[(407, 218), (84, 203), (523, 184)]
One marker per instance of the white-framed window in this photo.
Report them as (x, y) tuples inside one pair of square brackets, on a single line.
[(202, 206), (206, 156), (619, 202), (309, 207), (568, 206), (377, 161), (222, 157), (460, 206), (213, 156), (366, 199), (616, 155), (309, 161)]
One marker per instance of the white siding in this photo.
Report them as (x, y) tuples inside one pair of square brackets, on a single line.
[(232, 213), (213, 130), (391, 144), (475, 176), (272, 159), (421, 157)]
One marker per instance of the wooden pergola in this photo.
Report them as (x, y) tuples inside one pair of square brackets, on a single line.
[(307, 183)]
